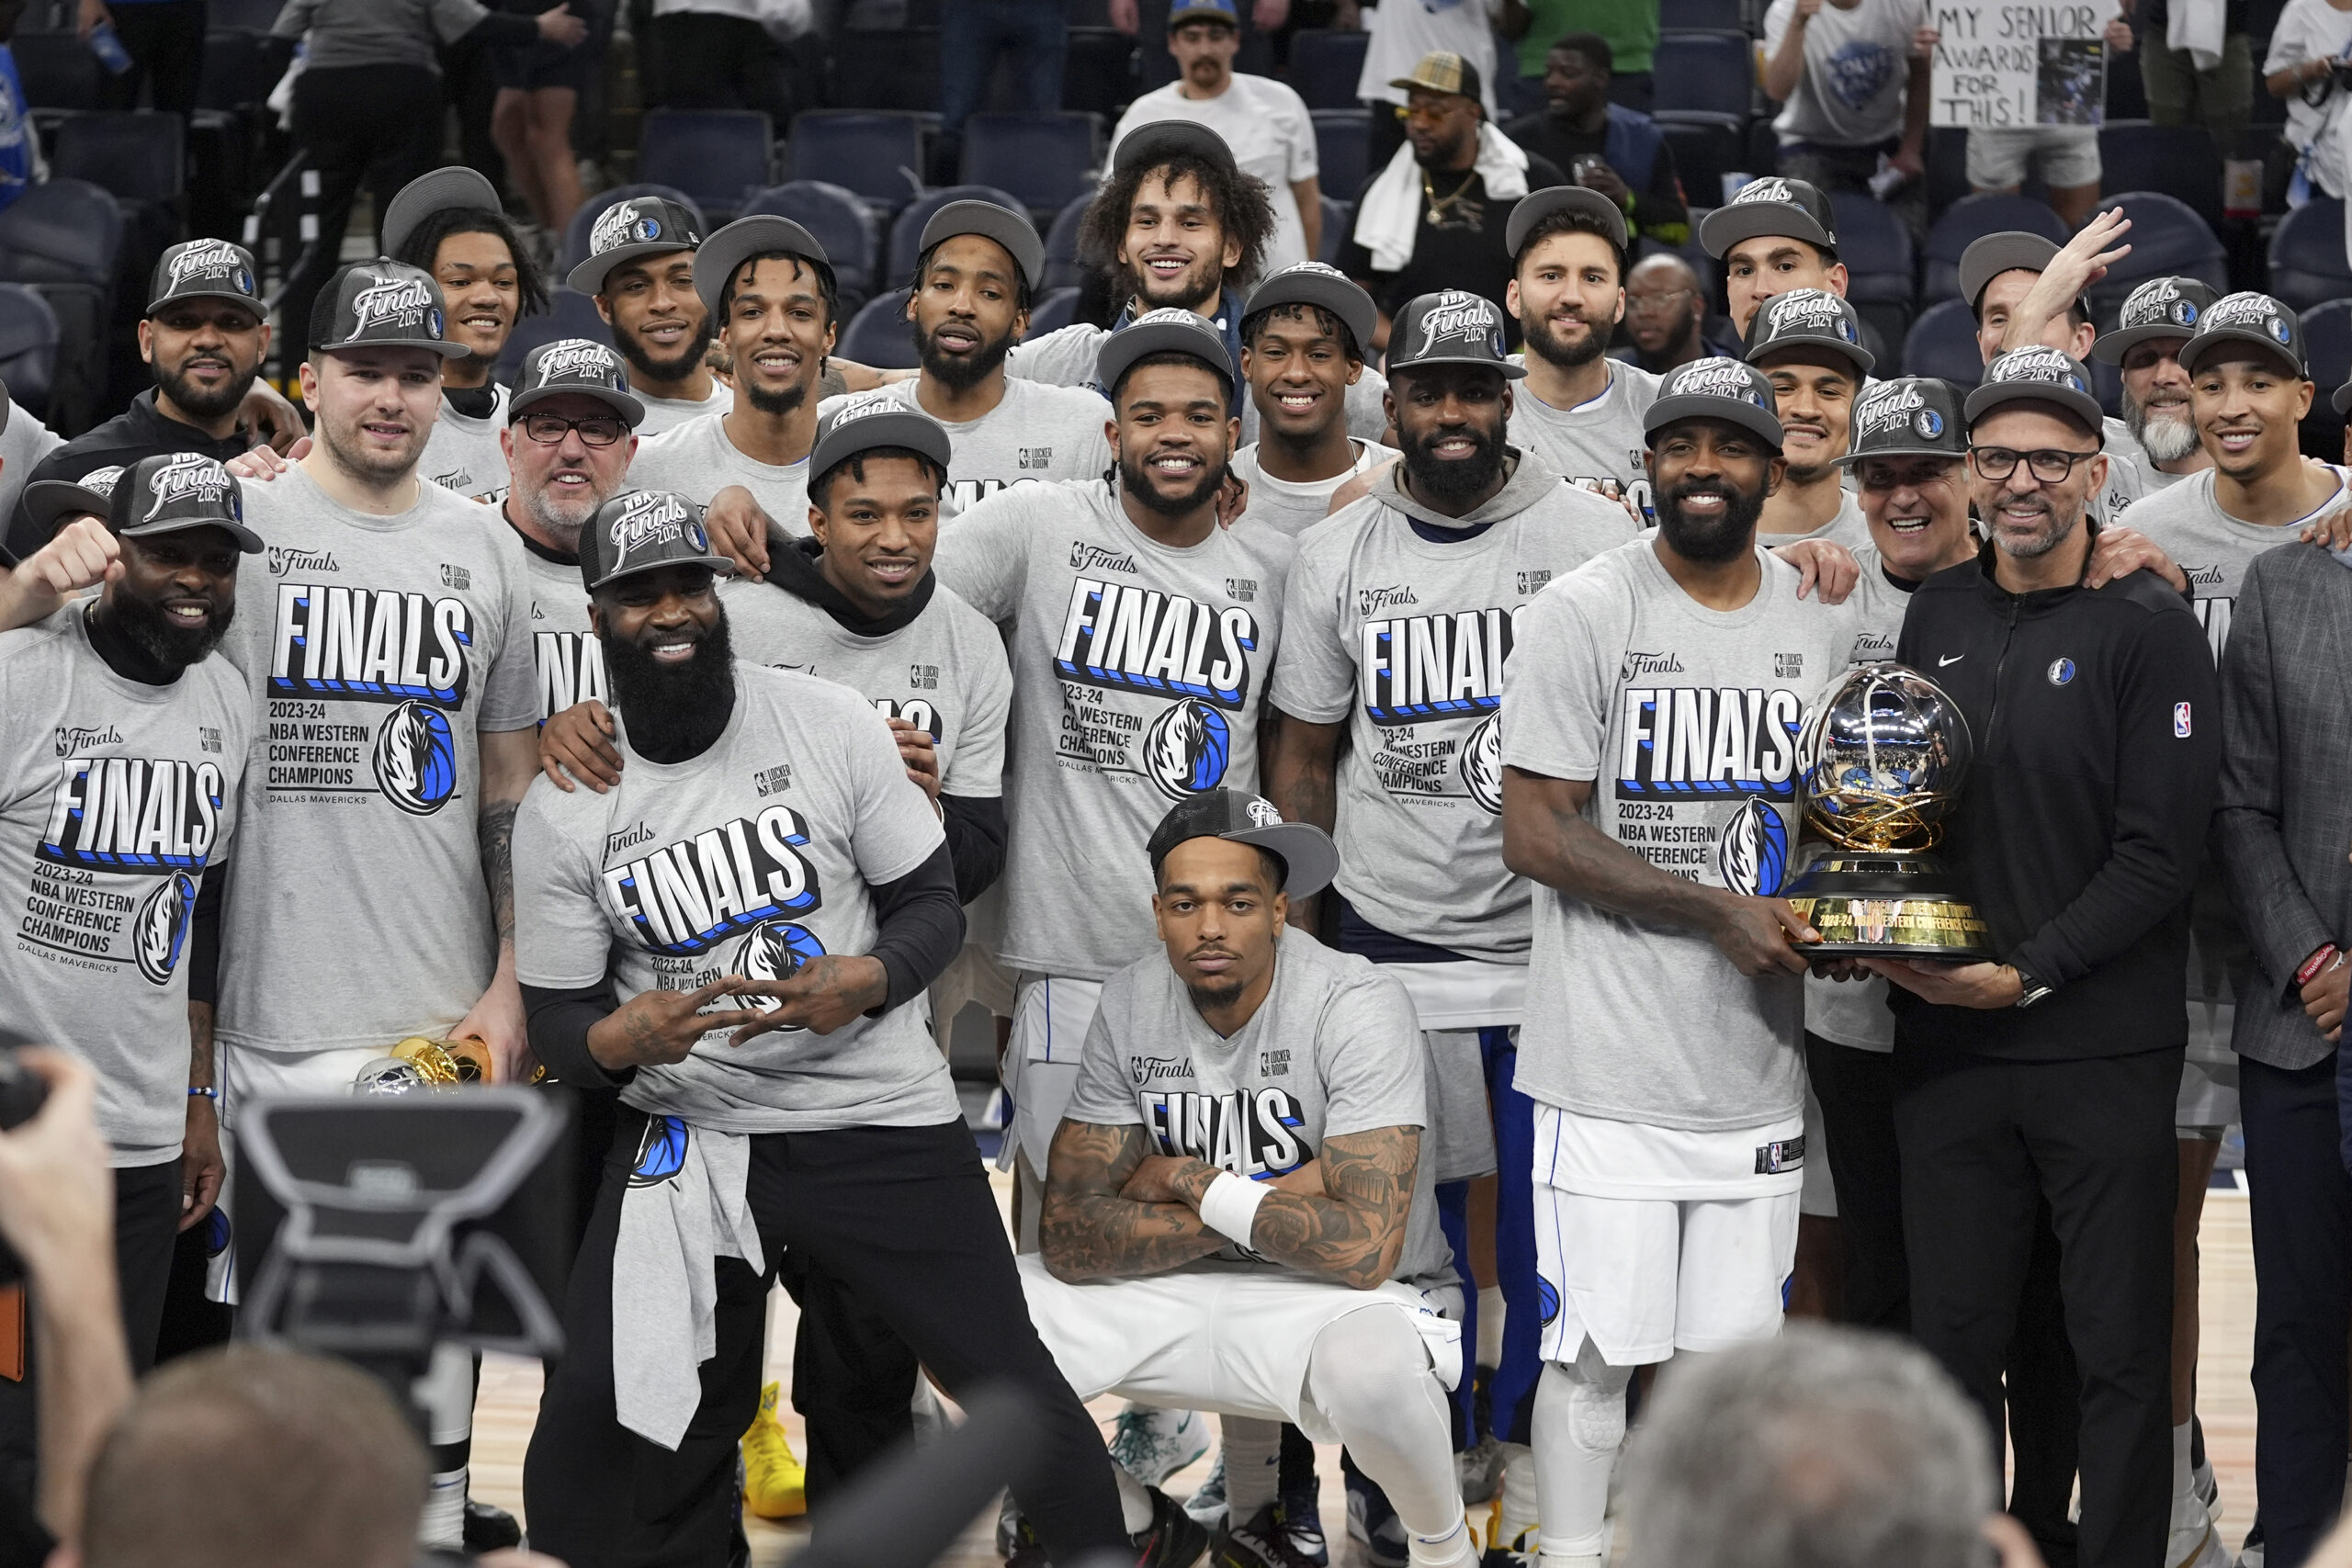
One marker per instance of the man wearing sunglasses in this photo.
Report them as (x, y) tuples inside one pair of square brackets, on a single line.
[(2048, 1072)]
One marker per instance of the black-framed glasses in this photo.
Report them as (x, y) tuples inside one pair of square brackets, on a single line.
[(596, 430), (2051, 465), (1655, 304), (1886, 476)]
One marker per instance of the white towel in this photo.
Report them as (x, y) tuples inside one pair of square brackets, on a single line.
[(665, 1286), (2196, 26), (1391, 214)]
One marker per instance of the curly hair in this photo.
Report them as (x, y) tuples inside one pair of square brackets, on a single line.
[(424, 243), (1242, 206)]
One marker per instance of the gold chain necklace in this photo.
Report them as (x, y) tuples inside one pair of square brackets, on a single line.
[(1438, 204)]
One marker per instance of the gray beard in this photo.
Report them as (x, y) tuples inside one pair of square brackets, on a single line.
[(2168, 438)]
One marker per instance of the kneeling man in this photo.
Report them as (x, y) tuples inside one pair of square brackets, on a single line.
[(1237, 1215)]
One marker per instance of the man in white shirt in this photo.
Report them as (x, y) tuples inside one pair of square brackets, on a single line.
[(1853, 76), (1263, 121)]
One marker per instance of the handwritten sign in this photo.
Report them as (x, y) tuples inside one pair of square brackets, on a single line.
[(1999, 65)]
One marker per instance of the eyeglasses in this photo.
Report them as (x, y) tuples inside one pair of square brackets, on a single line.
[(2051, 465), (548, 429), (1654, 304)]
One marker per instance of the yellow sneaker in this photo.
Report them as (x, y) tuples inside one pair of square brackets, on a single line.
[(776, 1484)]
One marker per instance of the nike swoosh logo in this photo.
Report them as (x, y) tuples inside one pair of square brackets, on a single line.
[(1953, 658)]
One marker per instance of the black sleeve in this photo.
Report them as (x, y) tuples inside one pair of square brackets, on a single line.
[(204, 937), (920, 924), (500, 30), (1542, 174), (1662, 208), (975, 825), (559, 1025)]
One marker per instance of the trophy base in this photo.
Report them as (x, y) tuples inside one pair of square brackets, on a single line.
[(1887, 905)]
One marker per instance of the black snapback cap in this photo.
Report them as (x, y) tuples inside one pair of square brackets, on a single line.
[(1309, 858)]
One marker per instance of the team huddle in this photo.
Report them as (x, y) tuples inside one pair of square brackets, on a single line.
[(1371, 836)]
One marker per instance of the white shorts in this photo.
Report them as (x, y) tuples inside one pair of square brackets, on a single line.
[(247, 1073), (1050, 1017), (2068, 155), (1236, 1342), (1819, 1195)]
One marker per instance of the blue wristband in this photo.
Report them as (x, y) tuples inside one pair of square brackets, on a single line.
[(207, 1093)]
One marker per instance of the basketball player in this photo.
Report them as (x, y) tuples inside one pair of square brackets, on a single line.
[(1397, 623), (1776, 234), (1664, 1010), (1808, 343), (805, 1109), (1303, 334), (641, 270), (1237, 1214)]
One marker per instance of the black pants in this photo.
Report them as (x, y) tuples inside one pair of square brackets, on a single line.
[(165, 41), (2301, 1209), (1856, 1089), (710, 62), (900, 1215), (379, 124), (853, 1379), (1984, 1142)]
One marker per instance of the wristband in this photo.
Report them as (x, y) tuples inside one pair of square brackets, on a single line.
[(2314, 964), (204, 1093), (1229, 1207)]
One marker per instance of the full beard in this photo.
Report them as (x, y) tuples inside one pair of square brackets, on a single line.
[(959, 372), (1543, 341), (1730, 535), (2167, 438), (673, 711), (2031, 546), (145, 626), (646, 367), (562, 520), (1136, 479), (1453, 477), (772, 403), (192, 397), (1194, 288)]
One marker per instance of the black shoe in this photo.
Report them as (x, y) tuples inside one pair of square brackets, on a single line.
[(1264, 1542), (1172, 1540), (489, 1529)]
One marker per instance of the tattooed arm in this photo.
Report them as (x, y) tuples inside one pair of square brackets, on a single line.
[(1091, 1228), (510, 759)]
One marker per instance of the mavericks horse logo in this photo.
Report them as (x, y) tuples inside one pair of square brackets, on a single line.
[(1187, 748), (160, 935), (416, 759)]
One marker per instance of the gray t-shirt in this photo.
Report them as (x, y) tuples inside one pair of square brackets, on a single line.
[(748, 860), (696, 460), (1290, 507), (1039, 432), (1857, 65), (1406, 637), (1333, 1050), (378, 648), (944, 671), (1597, 444), (23, 444), (1065, 357), (667, 414), (114, 797), (349, 33), (567, 660), (1138, 672), (1687, 719), (462, 455), (1848, 528)]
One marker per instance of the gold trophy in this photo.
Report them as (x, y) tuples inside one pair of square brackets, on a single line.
[(419, 1064), (1882, 756)]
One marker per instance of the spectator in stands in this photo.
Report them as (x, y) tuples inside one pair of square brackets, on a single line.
[(972, 33), (2310, 41), (1407, 33), (1665, 314), (2067, 155), (539, 86), (24, 442), (1853, 76), (2197, 65), (1152, 23), (1603, 146), (1264, 122), (165, 41), (1435, 217), (718, 54), (1626, 29), (368, 105), (19, 149), (1775, 235)]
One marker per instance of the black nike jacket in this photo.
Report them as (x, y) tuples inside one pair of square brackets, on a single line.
[(2097, 729)]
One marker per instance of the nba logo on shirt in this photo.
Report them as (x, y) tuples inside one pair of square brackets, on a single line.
[(2180, 721)]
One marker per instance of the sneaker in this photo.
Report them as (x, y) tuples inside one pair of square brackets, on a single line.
[(2250, 1554), (489, 1528), (1373, 1522), (1302, 1512), (775, 1485), (1517, 1553), (2194, 1543), (1155, 1444), (1207, 1504), (1480, 1470), (1172, 1540), (1264, 1542), (1008, 1526)]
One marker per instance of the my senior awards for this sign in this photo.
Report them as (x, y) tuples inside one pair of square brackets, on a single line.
[(2018, 65)]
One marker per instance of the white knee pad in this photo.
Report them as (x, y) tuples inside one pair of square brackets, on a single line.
[(1593, 1393)]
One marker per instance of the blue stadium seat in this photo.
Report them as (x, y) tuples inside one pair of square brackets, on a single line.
[(62, 231), (1055, 311), (717, 156), (1944, 342), (58, 71), (1706, 73), (1971, 219), (1699, 16), (2168, 237), (2328, 337), (568, 314), (1876, 249), (1342, 149), (2182, 162), (138, 156), (1325, 66), (2307, 259), (1063, 269), (1705, 149), (841, 225), (877, 154), (1048, 160), (576, 233), (29, 338), (906, 229), (880, 335), (1338, 218)]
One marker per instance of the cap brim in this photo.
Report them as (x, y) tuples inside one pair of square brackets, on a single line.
[(1984, 399), (2341, 398), (1126, 345), (1159, 139), (895, 427), (247, 540), (621, 404), (2012, 250), (1509, 371), (2110, 349), (1538, 205), (49, 502), (441, 346), (1346, 301), (1860, 356), (990, 222), (719, 564), (1726, 226), (731, 247), (1309, 858), (2200, 348), (260, 312), (437, 191), (589, 276), (1731, 411), (1901, 449)]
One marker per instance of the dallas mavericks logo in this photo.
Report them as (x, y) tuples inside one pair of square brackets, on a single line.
[(1752, 856), (661, 1152), (159, 936), (622, 223), (1482, 763), (774, 950), (1547, 1299), (1187, 748), (416, 759), (394, 302)]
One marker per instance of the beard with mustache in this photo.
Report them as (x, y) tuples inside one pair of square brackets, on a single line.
[(1136, 479), (673, 711), (1543, 341), (1729, 536), (171, 645), (193, 399), (1453, 479), (769, 402), (643, 366), (1194, 288), (959, 372), (2167, 436)]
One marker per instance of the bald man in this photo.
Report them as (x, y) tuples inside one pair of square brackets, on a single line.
[(1665, 314)]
